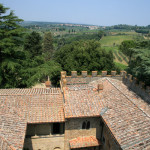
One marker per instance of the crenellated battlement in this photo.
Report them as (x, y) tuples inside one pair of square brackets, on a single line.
[(85, 78), (138, 87), (132, 82), (84, 74)]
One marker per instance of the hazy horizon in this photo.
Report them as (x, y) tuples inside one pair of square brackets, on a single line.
[(97, 12)]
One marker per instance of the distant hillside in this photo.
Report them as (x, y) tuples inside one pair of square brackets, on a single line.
[(26, 23)]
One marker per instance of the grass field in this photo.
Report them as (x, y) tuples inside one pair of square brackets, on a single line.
[(112, 43), (115, 40), (121, 66)]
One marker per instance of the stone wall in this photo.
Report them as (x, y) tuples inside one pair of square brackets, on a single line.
[(45, 143), (138, 87), (73, 129), (40, 137), (109, 143), (85, 78)]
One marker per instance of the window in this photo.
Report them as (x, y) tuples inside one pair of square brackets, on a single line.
[(83, 125), (58, 128), (101, 123), (86, 125)]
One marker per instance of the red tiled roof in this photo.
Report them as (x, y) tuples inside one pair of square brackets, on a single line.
[(4, 144), (81, 142), (32, 91), (21, 106), (12, 129), (126, 114), (81, 101), (128, 122)]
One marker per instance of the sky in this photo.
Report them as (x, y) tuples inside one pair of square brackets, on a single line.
[(94, 12)]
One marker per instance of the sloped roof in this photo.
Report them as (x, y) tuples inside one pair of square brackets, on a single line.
[(12, 129), (84, 141), (126, 115), (81, 101), (21, 106)]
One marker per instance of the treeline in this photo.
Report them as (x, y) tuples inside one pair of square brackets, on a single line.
[(67, 39), (138, 29)]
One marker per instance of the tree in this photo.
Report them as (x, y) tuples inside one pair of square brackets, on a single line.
[(33, 44), (48, 46), (10, 52), (21, 68), (101, 34), (126, 47), (140, 65), (36, 67), (84, 55)]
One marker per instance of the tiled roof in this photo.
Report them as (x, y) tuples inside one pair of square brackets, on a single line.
[(81, 101), (30, 91), (4, 145), (81, 142), (21, 106), (128, 120), (12, 129)]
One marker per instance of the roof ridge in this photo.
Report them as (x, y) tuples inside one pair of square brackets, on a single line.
[(29, 94), (127, 97)]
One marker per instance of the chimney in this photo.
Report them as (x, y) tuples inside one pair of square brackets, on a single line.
[(99, 87), (48, 83)]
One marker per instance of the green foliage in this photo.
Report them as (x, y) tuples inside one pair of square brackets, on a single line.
[(101, 34), (10, 55), (22, 68), (48, 45), (38, 70), (140, 65), (120, 66), (126, 46), (33, 44), (84, 55)]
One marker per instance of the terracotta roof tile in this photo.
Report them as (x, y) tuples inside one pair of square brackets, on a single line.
[(129, 123), (29, 91), (126, 114), (81, 101), (81, 142), (21, 106), (12, 129)]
